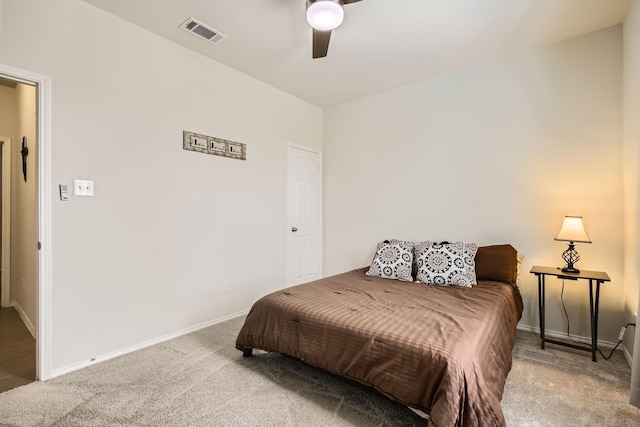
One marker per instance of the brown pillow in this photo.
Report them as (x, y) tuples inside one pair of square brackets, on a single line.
[(498, 263)]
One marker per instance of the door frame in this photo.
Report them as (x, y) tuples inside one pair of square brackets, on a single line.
[(43, 86), (5, 298), (291, 145)]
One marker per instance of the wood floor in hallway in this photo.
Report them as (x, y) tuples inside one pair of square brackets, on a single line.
[(17, 351)]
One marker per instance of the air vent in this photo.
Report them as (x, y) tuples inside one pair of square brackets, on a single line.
[(203, 31)]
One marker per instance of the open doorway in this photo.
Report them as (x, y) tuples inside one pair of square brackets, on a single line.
[(38, 175), (18, 234)]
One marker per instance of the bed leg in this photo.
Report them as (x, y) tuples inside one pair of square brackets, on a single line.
[(247, 353)]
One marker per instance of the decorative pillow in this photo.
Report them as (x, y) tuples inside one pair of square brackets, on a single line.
[(446, 264), (497, 263), (393, 260)]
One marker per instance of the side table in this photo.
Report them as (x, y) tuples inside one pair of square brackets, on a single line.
[(597, 277)]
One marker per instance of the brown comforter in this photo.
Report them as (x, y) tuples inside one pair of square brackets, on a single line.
[(443, 350)]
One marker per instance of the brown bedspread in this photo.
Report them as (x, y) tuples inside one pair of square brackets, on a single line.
[(443, 350)]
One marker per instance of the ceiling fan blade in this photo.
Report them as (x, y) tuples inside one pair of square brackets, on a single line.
[(350, 1), (320, 43)]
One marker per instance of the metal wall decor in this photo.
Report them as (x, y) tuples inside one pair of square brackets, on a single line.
[(211, 145), (24, 153)]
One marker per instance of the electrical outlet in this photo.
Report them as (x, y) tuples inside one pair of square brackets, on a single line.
[(226, 286), (621, 334)]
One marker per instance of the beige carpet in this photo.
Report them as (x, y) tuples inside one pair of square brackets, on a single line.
[(201, 380)]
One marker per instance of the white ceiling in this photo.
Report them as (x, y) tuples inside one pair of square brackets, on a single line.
[(382, 44)]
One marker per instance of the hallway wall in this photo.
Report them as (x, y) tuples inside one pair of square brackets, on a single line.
[(8, 124), (24, 225)]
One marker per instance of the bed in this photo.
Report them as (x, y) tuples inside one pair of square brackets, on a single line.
[(444, 350)]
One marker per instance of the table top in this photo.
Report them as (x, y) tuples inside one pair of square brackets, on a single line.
[(600, 276)]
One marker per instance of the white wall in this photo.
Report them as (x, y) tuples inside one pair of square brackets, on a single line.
[(631, 151), (494, 153), (147, 256)]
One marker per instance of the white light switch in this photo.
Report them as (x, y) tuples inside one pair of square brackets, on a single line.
[(82, 187)]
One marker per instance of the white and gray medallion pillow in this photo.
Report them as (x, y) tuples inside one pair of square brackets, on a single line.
[(393, 260), (446, 264)]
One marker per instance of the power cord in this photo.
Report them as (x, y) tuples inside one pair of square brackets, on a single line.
[(566, 315), (619, 342)]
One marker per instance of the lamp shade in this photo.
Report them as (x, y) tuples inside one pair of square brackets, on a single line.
[(573, 230), (324, 15)]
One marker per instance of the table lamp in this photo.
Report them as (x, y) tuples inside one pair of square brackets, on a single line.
[(572, 231)]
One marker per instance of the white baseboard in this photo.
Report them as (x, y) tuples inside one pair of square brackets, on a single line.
[(144, 344), (561, 335), (627, 356), (25, 318)]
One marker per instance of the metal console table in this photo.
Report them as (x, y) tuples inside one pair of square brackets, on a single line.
[(597, 277)]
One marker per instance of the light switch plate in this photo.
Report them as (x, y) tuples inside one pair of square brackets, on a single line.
[(82, 187)]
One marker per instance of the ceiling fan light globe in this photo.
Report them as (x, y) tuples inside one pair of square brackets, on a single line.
[(325, 15)]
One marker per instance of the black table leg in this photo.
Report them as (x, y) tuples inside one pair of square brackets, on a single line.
[(594, 331), (541, 307)]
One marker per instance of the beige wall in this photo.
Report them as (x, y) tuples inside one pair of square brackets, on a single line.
[(631, 151), (494, 153), (8, 123), (8, 112), (24, 232), (147, 256)]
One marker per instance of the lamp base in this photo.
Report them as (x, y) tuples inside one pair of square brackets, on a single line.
[(570, 256)]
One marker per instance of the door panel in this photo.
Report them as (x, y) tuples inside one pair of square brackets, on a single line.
[(305, 216)]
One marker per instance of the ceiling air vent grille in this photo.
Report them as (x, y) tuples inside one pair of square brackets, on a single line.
[(203, 31)]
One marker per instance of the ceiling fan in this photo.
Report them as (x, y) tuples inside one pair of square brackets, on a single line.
[(324, 16)]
